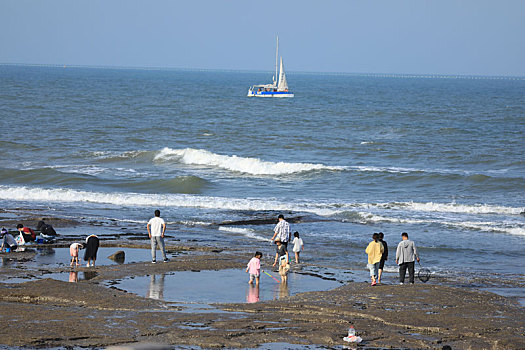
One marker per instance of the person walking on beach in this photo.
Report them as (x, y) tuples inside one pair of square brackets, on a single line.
[(384, 257), (92, 244), (282, 231), (254, 268), (375, 251), (298, 245), (405, 254), (156, 228), (281, 256)]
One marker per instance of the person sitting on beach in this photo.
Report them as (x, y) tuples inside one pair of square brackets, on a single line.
[(282, 231), (254, 268), (384, 257), (27, 233), (298, 245), (8, 241), (46, 229), (92, 244), (375, 251), (281, 255), (405, 254), (73, 251)]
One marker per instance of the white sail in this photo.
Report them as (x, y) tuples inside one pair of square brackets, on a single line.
[(283, 84), (276, 60)]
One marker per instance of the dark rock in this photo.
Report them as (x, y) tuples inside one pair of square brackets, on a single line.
[(119, 256)]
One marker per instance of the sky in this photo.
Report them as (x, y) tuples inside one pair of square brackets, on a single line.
[(466, 37)]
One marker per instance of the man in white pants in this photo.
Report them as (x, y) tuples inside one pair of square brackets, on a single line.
[(156, 228)]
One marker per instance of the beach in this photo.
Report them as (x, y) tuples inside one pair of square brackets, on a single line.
[(42, 308), (98, 150)]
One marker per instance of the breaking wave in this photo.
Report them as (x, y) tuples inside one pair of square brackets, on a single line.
[(364, 218), (395, 212), (258, 167), (247, 232), (25, 193), (252, 166)]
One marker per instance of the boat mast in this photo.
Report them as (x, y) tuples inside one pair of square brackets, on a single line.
[(276, 59)]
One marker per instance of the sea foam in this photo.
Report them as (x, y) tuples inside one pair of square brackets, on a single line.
[(324, 208), (403, 212), (247, 232), (251, 166), (490, 226)]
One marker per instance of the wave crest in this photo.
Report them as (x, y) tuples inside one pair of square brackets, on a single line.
[(364, 213), (252, 166)]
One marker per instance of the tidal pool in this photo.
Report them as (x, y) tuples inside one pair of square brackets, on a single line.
[(221, 286)]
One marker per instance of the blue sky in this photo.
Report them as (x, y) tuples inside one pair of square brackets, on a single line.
[(476, 37)]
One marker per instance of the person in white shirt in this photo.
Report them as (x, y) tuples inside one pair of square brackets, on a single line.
[(156, 228), (282, 231), (298, 245)]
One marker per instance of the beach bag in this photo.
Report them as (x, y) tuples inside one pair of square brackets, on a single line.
[(20, 239)]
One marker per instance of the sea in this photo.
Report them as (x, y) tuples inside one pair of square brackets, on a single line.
[(439, 157)]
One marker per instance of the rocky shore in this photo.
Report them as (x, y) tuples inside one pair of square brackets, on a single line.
[(49, 313)]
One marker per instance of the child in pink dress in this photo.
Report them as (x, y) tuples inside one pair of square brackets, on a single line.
[(254, 268)]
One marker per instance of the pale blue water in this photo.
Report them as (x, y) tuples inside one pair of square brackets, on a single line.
[(442, 159)]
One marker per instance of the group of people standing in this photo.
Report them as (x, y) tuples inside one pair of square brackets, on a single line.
[(406, 254), (377, 249), (281, 237)]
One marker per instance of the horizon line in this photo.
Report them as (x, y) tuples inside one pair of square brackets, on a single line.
[(377, 75)]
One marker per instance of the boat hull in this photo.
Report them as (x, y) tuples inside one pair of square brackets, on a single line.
[(270, 94)]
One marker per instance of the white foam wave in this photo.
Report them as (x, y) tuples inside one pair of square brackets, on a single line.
[(129, 199), (390, 212), (252, 166), (195, 223), (92, 170), (456, 208), (250, 233), (498, 227), (394, 170), (23, 193), (119, 155)]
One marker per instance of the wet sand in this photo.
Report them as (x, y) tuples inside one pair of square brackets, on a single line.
[(93, 312)]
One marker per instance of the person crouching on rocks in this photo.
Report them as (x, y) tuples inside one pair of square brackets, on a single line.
[(8, 241), (281, 256)]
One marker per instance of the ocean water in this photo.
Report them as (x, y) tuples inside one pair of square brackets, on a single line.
[(439, 158)]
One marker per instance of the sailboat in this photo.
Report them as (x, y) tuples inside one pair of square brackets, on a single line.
[(276, 88)]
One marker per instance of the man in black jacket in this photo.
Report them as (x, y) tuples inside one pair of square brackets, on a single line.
[(384, 257)]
